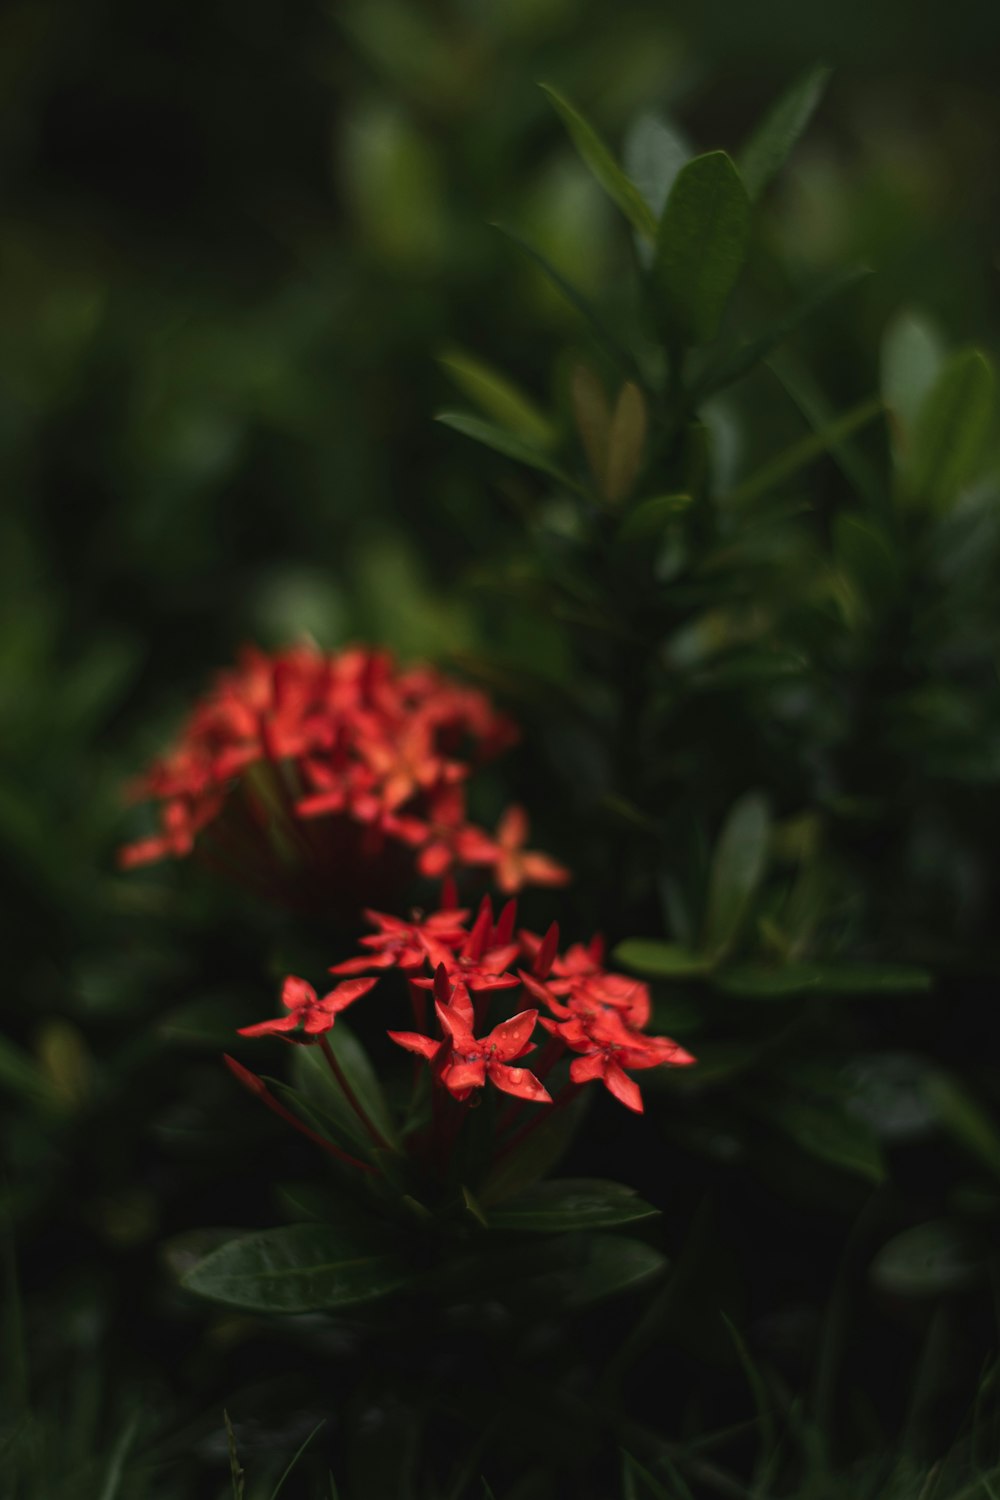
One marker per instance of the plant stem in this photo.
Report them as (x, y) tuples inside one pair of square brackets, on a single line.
[(351, 1096)]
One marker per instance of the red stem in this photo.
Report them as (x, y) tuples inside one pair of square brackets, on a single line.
[(351, 1096), (256, 1086)]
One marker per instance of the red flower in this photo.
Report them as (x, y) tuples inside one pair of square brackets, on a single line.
[(314, 1014), (516, 866), (407, 945), (464, 1062)]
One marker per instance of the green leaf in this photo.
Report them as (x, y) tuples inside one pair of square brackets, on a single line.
[(866, 556), (659, 960), (602, 164), (503, 442), (314, 1080), (499, 398), (701, 244), (626, 444), (610, 1264), (738, 864), (616, 351), (760, 982), (521, 1165), (912, 357), (648, 518), (20, 1075), (774, 473), (299, 1268), (571, 1203), (769, 146), (732, 367), (592, 414), (823, 1128), (952, 430), (960, 1113), (928, 1260), (653, 153)]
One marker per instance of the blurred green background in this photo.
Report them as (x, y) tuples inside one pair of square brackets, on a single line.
[(236, 240)]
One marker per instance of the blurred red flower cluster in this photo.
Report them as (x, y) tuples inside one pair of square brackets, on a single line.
[(341, 765)]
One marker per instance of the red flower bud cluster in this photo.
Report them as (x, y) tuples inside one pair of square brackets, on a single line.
[(591, 1012), (381, 754)]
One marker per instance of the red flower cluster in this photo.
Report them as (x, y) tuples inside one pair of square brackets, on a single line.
[(380, 752), (596, 1014)]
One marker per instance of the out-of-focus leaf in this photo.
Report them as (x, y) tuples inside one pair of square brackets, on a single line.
[(701, 244), (912, 357), (929, 1260), (602, 164), (804, 452), (824, 1129), (748, 356), (653, 153), (660, 960), (21, 1075), (499, 397), (738, 864), (314, 1079), (571, 1203), (598, 1266), (649, 517), (952, 428), (768, 148), (758, 982), (299, 1268), (503, 442), (592, 414), (866, 556), (959, 1112), (626, 444)]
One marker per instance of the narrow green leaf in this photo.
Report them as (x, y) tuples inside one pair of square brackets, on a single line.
[(299, 1268), (960, 1113), (952, 428), (912, 357), (112, 1486), (527, 1160), (592, 414), (503, 442), (759, 982), (616, 351), (626, 444), (929, 1260), (732, 367), (771, 143), (738, 864), (602, 164), (701, 244), (660, 960), (315, 1081), (571, 1203), (774, 473), (646, 519), (499, 397), (19, 1074), (298, 1454)]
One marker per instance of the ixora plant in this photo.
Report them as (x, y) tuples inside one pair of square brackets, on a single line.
[(333, 774), (479, 1127)]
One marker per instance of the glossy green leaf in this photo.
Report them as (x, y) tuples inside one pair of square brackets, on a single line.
[(571, 1203), (299, 1268), (768, 148), (761, 982), (952, 429), (611, 1264), (912, 357), (503, 442), (960, 1113), (314, 1079), (499, 397), (929, 1260), (739, 861), (822, 1127), (659, 960), (701, 244), (602, 164)]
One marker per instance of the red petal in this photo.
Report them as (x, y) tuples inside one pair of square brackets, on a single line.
[(548, 948), (512, 829), (413, 1041), (624, 1088), (519, 1082), (513, 1038), (463, 1076), (585, 1069), (264, 1028), (346, 993), (365, 961)]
